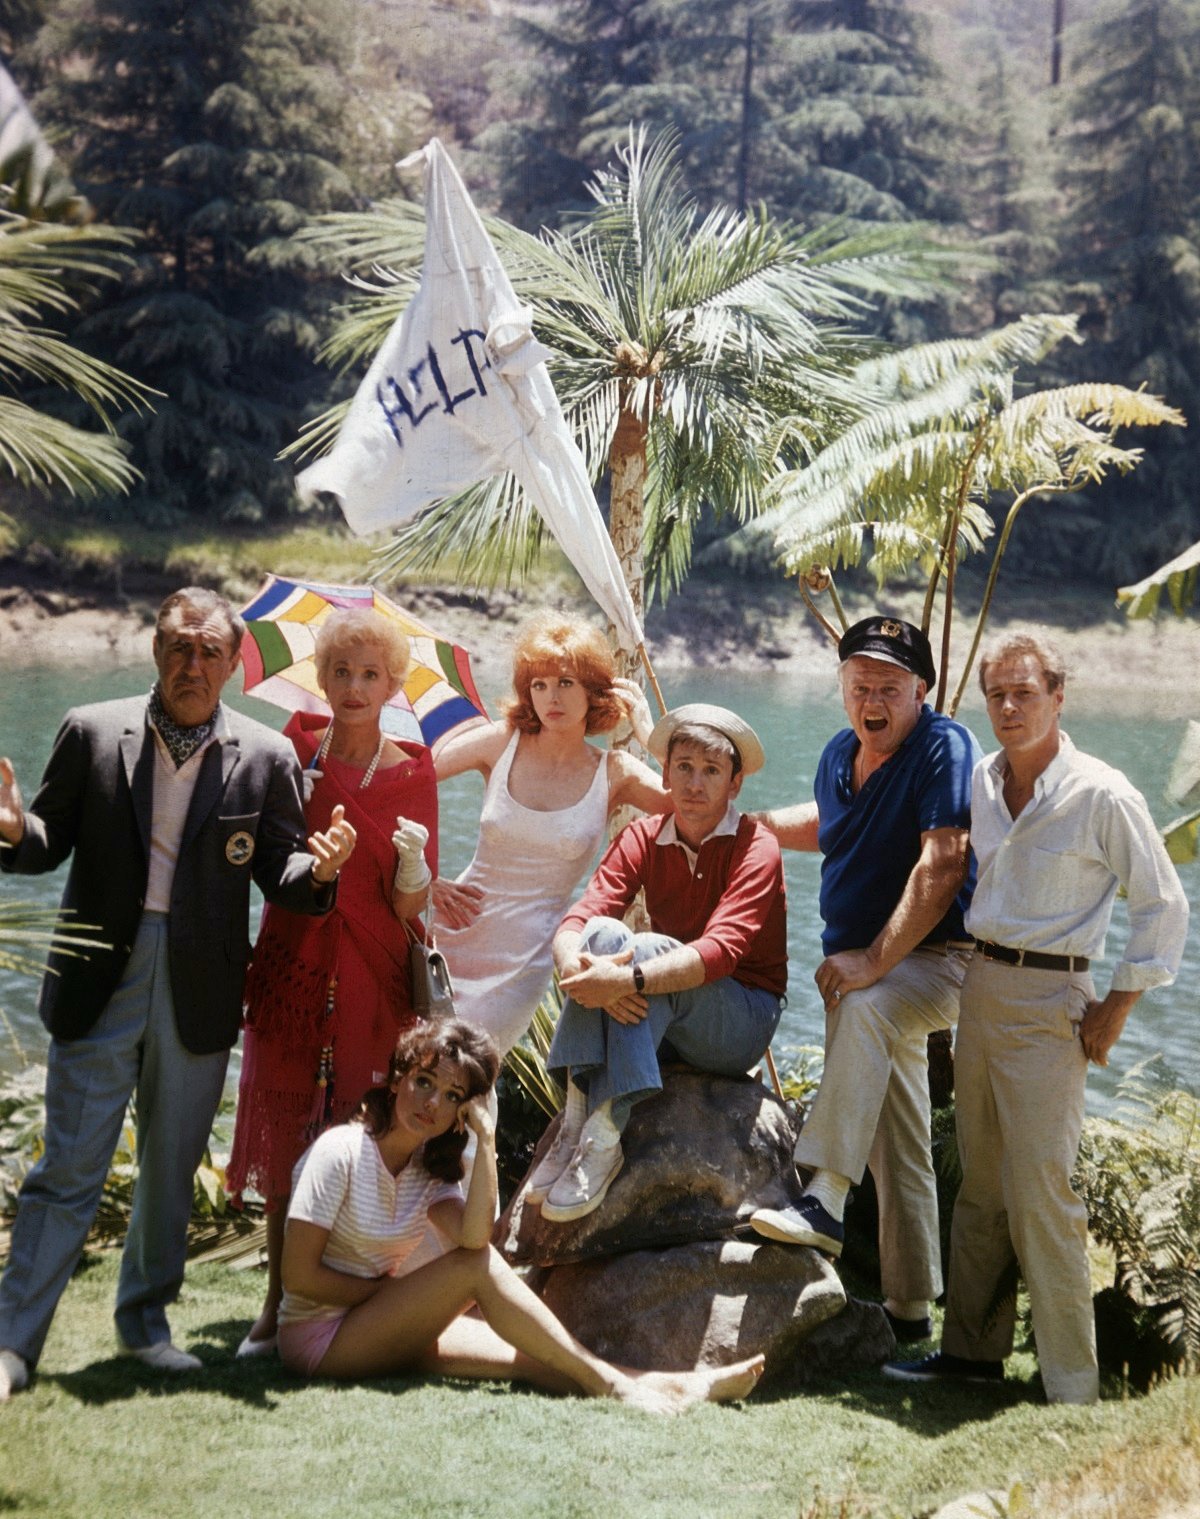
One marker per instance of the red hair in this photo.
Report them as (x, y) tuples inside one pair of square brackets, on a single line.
[(555, 643)]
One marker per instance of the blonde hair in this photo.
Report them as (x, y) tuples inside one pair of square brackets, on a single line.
[(556, 643), (352, 628), (1037, 646)]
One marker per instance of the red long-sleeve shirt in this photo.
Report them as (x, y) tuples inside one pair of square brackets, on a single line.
[(732, 910)]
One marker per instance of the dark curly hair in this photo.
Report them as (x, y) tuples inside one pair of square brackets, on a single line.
[(466, 1046)]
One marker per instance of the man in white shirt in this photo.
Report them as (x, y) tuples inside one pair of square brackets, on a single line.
[(1055, 833)]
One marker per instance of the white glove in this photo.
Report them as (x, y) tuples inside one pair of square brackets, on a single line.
[(308, 783), (409, 840)]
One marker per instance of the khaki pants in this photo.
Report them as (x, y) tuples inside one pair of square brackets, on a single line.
[(872, 1108), (1019, 1081)]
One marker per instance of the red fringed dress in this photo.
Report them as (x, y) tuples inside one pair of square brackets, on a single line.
[(326, 997)]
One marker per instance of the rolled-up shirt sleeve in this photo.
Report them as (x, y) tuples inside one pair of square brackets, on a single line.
[(1158, 908)]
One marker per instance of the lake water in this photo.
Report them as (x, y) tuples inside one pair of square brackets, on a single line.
[(794, 723)]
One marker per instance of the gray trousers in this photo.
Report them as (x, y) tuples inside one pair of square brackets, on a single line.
[(133, 1049), (1019, 1074)]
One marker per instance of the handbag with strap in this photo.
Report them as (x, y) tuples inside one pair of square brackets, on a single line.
[(432, 986)]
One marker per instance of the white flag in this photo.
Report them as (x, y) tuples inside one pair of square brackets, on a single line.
[(459, 392)]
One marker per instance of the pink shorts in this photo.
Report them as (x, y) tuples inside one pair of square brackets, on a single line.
[(302, 1345)]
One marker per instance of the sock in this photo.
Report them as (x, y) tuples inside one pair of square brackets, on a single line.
[(601, 1128), (575, 1110), (913, 1309), (830, 1189)]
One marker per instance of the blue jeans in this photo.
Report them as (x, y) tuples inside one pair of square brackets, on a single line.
[(722, 1026), (134, 1046)]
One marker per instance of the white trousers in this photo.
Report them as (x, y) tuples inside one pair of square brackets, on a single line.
[(872, 1108), (1019, 1082)]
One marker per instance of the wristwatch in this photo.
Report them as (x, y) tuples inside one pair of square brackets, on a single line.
[(639, 981)]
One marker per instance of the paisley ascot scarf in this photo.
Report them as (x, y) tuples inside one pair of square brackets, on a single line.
[(181, 743)]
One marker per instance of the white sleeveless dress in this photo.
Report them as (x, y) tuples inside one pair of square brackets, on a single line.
[(528, 865)]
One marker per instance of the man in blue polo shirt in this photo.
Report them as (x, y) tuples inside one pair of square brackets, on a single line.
[(891, 817)]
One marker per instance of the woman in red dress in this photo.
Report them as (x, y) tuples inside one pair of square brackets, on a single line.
[(326, 997)]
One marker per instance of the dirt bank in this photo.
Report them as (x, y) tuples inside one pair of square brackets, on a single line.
[(753, 627)]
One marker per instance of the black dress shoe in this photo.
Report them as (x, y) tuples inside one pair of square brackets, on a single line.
[(910, 1331), (941, 1367)]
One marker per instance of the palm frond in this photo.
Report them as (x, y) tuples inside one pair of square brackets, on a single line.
[(28, 930), (1178, 578), (490, 532), (41, 450)]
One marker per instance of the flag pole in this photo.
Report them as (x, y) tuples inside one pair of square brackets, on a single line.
[(653, 679)]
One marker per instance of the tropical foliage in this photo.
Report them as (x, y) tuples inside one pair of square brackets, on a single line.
[(692, 353), (1139, 1172), (215, 129), (22, 1141), (44, 268), (1178, 579), (942, 433)]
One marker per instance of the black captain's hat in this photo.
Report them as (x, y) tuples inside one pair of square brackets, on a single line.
[(894, 641)]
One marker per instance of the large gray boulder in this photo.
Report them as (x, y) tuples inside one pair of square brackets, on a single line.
[(706, 1303), (699, 1159)]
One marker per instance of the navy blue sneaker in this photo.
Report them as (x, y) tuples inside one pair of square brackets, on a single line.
[(805, 1224), (943, 1367)]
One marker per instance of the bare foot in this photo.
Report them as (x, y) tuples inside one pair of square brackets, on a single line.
[(673, 1392)]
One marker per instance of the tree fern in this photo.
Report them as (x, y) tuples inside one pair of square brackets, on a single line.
[(940, 434)]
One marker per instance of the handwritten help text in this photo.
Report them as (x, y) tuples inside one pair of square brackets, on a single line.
[(426, 388)]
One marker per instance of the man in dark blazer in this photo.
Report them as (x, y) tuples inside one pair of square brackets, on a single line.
[(169, 806)]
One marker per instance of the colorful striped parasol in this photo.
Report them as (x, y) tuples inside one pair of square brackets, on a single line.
[(437, 698)]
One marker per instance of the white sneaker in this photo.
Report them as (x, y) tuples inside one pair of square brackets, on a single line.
[(552, 1165), (14, 1374), (163, 1356), (582, 1186)]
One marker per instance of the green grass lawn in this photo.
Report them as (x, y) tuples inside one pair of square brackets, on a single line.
[(98, 1435)]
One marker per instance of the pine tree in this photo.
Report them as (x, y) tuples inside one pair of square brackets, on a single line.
[(215, 129), (558, 72), (1131, 171), (816, 107), (1010, 199)]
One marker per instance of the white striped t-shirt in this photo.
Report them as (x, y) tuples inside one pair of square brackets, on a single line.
[(375, 1220)]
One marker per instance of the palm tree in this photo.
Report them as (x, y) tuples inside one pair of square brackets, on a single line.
[(692, 355), (44, 254), (941, 433), (39, 261)]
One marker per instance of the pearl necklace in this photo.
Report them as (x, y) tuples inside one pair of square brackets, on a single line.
[(369, 773)]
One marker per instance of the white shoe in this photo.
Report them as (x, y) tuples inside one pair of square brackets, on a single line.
[(552, 1165), (14, 1374), (163, 1356), (583, 1185), (250, 1348)]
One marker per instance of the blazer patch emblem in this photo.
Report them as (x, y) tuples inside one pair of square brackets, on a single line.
[(239, 847)]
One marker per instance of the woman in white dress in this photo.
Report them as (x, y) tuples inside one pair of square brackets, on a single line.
[(548, 797)]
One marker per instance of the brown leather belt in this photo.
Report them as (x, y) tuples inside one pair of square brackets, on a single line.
[(1033, 959)]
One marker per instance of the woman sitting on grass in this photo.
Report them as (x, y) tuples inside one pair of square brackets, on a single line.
[(355, 1302)]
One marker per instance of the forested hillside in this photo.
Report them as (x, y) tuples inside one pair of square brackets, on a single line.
[(1056, 138)]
